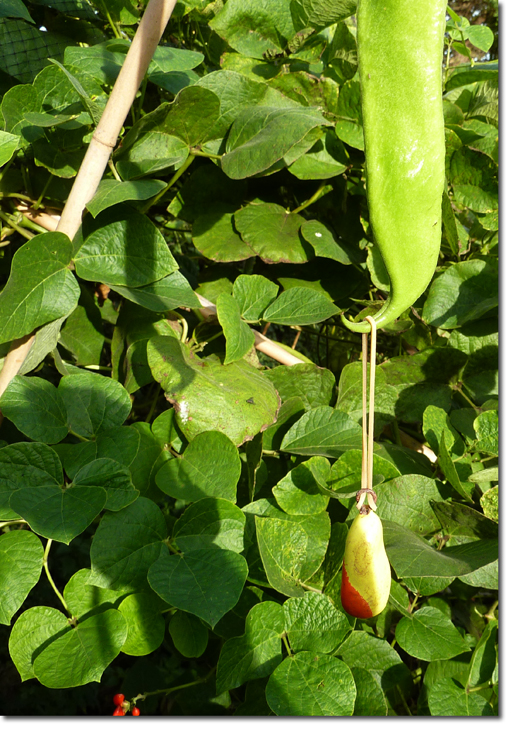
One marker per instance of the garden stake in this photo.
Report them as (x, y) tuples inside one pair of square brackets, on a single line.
[(142, 48), (98, 153), (366, 575)]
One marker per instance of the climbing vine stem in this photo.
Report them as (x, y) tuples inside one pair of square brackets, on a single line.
[(312, 199), (201, 680), (12, 522), (287, 644), (50, 578), (171, 183)]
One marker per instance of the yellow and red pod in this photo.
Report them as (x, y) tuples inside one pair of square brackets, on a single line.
[(366, 574)]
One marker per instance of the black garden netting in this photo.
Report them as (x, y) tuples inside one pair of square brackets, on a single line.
[(25, 47)]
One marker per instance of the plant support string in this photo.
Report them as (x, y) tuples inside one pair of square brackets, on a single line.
[(366, 576), (368, 423)]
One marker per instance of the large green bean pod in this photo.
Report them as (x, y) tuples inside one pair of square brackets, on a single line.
[(400, 52)]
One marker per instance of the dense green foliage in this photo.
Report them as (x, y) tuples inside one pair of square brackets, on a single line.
[(173, 503)]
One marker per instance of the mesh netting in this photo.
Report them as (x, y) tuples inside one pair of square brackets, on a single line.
[(75, 8), (24, 49)]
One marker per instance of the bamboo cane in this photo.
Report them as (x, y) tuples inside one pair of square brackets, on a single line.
[(97, 156), (132, 72), (104, 140)]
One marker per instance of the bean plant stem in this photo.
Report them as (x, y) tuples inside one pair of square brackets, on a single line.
[(185, 326), (8, 220), (415, 599), (114, 171), (29, 224), (490, 615), (201, 680), (47, 221), (171, 183), (43, 193), (153, 402), (12, 522), (460, 391), (405, 703), (50, 579), (310, 588), (286, 643), (80, 437), (168, 542), (114, 27), (312, 199), (144, 84), (20, 196), (479, 688), (203, 154)]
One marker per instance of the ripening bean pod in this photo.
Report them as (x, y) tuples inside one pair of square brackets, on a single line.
[(366, 575), (400, 53)]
